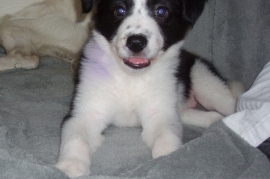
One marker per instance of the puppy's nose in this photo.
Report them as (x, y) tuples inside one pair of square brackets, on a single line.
[(136, 43)]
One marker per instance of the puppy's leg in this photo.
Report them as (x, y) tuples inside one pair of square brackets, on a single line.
[(162, 131), (210, 91), (200, 118), (80, 138), (237, 88), (18, 61)]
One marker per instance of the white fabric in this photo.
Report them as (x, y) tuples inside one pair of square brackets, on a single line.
[(252, 121)]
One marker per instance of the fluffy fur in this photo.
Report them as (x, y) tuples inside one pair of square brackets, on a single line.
[(30, 29), (134, 73)]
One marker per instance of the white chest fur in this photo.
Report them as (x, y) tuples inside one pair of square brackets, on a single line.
[(110, 93), (126, 95)]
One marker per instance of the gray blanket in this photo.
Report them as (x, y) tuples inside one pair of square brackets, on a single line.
[(232, 34)]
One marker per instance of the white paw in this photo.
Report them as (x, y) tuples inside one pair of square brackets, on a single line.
[(165, 144), (18, 61), (73, 168)]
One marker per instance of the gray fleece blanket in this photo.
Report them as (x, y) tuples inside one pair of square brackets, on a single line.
[(234, 35)]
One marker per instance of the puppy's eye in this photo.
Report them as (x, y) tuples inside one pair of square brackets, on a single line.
[(120, 11), (162, 12)]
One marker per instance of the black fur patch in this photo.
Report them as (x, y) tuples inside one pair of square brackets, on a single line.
[(105, 20), (187, 60), (182, 15), (87, 5), (193, 9), (174, 27)]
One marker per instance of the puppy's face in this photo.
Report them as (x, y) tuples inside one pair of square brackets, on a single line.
[(139, 30)]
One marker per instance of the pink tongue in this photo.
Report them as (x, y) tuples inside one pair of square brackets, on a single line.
[(137, 62)]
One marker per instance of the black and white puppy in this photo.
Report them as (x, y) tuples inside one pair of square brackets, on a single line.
[(134, 73)]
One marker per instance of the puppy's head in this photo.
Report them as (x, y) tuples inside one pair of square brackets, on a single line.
[(139, 30)]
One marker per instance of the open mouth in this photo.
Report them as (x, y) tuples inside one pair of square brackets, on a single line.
[(137, 62)]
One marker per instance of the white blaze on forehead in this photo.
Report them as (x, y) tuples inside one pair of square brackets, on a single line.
[(139, 7), (139, 17)]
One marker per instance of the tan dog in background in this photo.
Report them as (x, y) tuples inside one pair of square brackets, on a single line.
[(30, 29)]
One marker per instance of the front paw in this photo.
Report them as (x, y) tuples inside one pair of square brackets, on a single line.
[(73, 167), (165, 144)]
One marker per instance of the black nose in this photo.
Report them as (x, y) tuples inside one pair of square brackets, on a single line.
[(136, 43)]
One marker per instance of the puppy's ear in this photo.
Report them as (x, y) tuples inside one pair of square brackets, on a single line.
[(193, 9), (87, 5)]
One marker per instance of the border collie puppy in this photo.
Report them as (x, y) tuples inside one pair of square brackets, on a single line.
[(134, 73)]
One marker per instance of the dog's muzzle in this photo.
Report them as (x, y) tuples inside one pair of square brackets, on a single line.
[(136, 44)]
